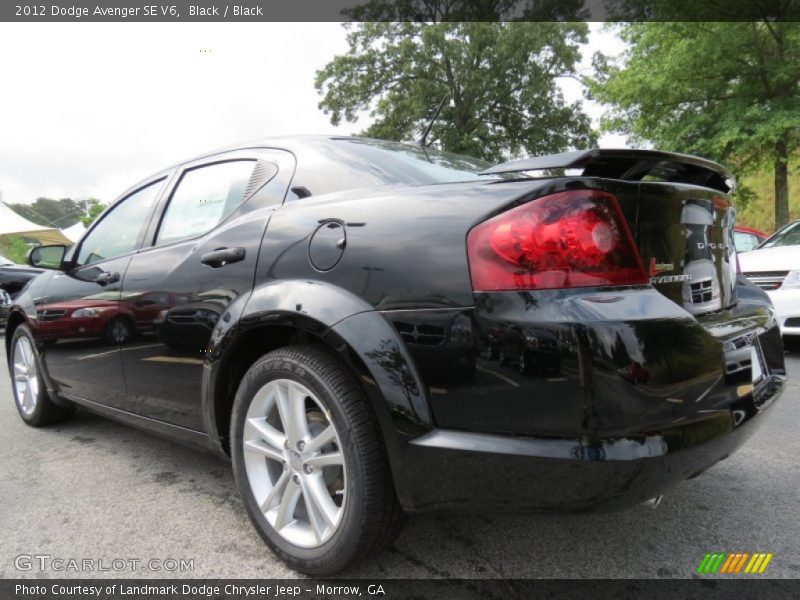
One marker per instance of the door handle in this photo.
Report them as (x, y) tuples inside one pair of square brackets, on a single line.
[(222, 256), (106, 277)]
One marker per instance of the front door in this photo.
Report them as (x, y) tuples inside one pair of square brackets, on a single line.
[(202, 258), (82, 322)]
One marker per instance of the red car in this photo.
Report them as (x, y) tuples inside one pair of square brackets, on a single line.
[(747, 238), (101, 317)]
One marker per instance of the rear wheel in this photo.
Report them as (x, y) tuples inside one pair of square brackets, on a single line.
[(308, 461), (32, 400)]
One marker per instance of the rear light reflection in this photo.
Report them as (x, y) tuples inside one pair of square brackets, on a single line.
[(576, 238)]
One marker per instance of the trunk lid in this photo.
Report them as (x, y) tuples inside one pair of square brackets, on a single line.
[(679, 212), (685, 236)]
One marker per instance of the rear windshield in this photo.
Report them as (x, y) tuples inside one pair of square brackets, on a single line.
[(415, 164), (787, 237), (352, 163)]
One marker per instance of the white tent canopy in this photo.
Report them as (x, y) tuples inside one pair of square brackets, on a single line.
[(74, 232), (13, 224)]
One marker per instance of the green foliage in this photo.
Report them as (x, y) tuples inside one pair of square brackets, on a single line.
[(757, 210), (496, 84), (728, 91), (95, 209), (50, 213), (434, 11), (14, 248)]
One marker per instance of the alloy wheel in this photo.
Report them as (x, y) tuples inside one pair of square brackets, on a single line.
[(294, 463), (26, 379), (119, 331)]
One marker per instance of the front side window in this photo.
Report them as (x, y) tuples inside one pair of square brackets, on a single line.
[(119, 230), (203, 198)]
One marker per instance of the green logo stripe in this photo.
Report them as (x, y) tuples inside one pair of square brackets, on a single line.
[(715, 562), (703, 563)]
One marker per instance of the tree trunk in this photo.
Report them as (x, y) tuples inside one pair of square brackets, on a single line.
[(781, 183)]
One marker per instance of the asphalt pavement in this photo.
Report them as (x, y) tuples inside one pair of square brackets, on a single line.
[(93, 489)]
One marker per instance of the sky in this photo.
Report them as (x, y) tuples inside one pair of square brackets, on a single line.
[(89, 109)]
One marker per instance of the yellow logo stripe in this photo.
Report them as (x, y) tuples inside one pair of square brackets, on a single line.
[(757, 566), (752, 562), (764, 564)]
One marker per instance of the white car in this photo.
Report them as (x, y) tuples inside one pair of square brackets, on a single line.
[(775, 267)]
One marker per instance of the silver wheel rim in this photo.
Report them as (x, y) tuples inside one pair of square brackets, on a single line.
[(26, 380), (294, 463)]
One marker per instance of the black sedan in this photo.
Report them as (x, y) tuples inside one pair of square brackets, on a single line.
[(13, 277), (370, 328)]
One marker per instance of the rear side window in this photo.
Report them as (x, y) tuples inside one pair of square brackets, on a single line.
[(119, 230), (203, 198)]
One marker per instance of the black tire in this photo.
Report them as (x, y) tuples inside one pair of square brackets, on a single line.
[(372, 514), (503, 359), (45, 411), (118, 331)]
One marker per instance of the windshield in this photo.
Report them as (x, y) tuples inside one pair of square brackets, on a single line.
[(788, 236), (4, 262)]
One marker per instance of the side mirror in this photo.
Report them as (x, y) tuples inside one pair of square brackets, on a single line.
[(47, 257)]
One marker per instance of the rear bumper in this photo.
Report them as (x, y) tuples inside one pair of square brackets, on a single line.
[(644, 396), (482, 472)]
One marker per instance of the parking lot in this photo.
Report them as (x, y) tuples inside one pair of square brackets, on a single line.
[(91, 488)]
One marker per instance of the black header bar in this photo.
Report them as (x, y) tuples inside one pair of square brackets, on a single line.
[(400, 10)]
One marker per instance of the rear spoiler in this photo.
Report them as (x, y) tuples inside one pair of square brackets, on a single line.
[(630, 165)]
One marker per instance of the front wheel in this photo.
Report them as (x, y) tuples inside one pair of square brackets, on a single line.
[(118, 332), (33, 402), (309, 463)]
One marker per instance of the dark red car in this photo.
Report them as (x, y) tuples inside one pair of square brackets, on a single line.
[(102, 316)]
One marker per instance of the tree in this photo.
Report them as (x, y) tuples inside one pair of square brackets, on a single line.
[(485, 89), (95, 209), (728, 91), (50, 213), (436, 11), (14, 248)]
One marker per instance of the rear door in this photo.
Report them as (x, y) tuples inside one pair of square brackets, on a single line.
[(200, 258)]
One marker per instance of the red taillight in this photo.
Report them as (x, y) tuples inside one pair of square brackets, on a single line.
[(576, 238)]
